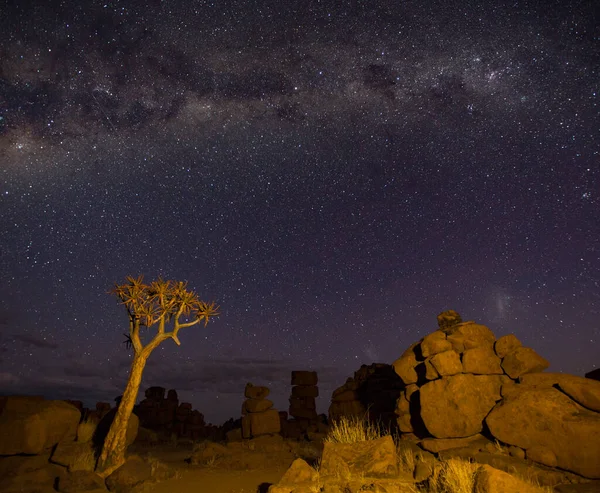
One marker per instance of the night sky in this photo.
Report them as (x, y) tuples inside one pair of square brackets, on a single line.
[(333, 174)]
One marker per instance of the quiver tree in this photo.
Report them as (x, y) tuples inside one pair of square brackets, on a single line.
[(160, 304)]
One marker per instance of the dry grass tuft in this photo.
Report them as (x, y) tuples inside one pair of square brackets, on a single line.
[(86, 430), (406, 459), (85, 460), (453, 476), (352, 430)]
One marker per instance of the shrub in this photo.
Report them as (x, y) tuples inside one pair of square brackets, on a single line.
[(353, 429), (86, 430)]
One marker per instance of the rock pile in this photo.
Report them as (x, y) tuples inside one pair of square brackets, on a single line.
[(167, 416), (43, 446), (258, 415), (372, 393), (461, 382)]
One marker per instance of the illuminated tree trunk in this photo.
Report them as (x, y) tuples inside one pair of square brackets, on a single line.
[(113, 450)]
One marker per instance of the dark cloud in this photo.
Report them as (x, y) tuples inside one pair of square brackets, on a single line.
[(33, 341)]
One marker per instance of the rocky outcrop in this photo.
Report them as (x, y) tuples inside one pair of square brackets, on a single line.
[(552, 429), (456, 407), (167, 417), (460, 381), (372, 392), (42, 450), (32, 425)]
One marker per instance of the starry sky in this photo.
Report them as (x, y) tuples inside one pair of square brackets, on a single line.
[(332, 174)]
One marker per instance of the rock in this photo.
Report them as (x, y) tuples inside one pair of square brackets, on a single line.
[(299, 472), (405, 366), (591, 487), (134, 472), (155, 393), (81, 481), (373, 458), (31, 425), (549, 418), (524, 469), (342, 394), (543, 455), (516, 452), (371, 392), (436, 445), (430, 372), (448, 319), (506, 344), (455, 407), (305, 391), (75, 456), (582, 390), (304, 378), (207, 452), (481, 361), (434, 343), (470, 335), (104, 427), (20, 465), (40, 480), (490, 480), (256, 405), (423, 470), (263, 423), (447, 363), (523, 360), (402, 405), (338, 409), (405, 424), (255, 392)]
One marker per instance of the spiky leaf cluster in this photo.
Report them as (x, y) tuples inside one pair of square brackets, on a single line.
[(162, 300)]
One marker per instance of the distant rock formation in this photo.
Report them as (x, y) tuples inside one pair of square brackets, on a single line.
[(371, 393), (462, 382), (168, 417), (594, 374)]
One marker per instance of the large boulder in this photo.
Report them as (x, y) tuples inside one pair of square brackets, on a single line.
[(446, 363), (373, 458), (481, 361), (105, 423), (263, 423), (405, 365), (32, 425), (582, 390), (550, 419), (455, 407), (469, 335), (523, 360), (434, 343), (490, 480)]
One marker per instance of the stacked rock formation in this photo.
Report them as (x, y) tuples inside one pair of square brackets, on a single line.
[(371, 393), (303, 405), (258, 415), (167, 415), (305, 422), (461, 382)]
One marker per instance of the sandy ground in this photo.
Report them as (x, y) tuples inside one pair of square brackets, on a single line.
[(208, 479), (219, 481)]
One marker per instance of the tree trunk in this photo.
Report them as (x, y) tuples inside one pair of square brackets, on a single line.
[(113, 450)]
